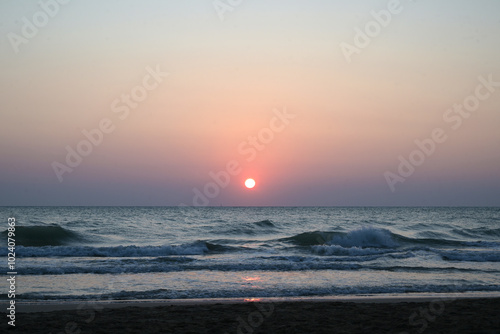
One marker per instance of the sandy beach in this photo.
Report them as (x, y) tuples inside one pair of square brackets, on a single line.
[(422, 315)]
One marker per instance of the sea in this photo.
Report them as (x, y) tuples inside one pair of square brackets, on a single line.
[(148, 253)]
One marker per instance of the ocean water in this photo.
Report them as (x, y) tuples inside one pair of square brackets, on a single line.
[(127, 253)]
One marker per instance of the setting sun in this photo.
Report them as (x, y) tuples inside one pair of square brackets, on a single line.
[(250, 183)]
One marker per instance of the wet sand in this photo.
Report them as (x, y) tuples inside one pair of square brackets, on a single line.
[(481, 315)]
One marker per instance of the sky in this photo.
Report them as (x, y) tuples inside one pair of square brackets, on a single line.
[(323, 103)]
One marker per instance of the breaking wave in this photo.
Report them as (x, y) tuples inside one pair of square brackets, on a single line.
[(196, 248)]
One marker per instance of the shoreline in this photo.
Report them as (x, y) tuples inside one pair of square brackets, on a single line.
[(50, 306)]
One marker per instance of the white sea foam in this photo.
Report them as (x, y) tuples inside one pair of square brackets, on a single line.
[(365, 237), (197, 248)]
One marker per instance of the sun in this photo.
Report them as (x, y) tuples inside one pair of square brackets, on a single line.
[(250, 183)]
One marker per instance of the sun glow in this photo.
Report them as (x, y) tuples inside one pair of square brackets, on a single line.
[(250, 183)]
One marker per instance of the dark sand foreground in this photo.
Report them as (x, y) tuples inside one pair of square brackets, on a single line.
[(438, 316)]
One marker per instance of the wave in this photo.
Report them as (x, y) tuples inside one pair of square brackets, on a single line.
[(44, 235), (259, 227), (351, 259), (310, 238), (196, 248), (366, 237), (268, 292), (188, 264), (363, 237), (352, 251), (440, 242), (264, 223), (181, 265), (370, 237), (354, 246), (478, 232), (471, 256)]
